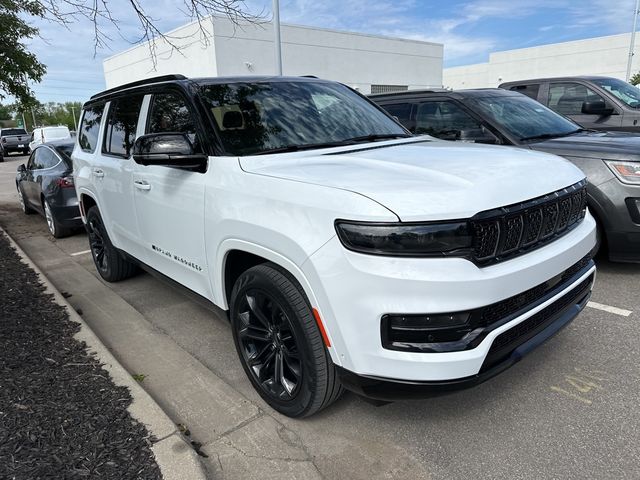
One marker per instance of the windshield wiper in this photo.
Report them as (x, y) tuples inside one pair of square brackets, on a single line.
[(545, 136)]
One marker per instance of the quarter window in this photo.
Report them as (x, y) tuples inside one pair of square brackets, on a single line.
[(89, 128), (567, 98), (121, 126)]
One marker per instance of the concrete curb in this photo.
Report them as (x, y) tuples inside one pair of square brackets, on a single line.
[(175, 457)]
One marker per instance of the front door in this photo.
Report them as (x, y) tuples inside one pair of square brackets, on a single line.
[(567, 99), (169, 202)]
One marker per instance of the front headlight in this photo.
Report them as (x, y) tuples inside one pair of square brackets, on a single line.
[(627, 172), (405, 239)]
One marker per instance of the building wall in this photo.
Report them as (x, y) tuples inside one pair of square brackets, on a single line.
[(355, 59), (594, 56)]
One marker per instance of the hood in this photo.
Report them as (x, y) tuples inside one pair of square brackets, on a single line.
[(427, 179), (604, 145)]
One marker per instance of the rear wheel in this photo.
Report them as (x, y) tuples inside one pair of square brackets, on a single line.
[(111, 265), (57, 230), (279, 343)]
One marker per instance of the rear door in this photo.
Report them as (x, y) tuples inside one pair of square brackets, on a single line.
[(169, 202), (113, 172), (566, 98)]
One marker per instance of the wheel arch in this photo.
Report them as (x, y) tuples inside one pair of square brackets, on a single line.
[(235, 254)]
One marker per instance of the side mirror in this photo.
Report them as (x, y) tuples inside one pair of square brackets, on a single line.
[(170, 150), (22, 168), (597, 107)]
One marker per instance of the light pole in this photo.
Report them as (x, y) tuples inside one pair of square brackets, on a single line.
[(632, 44), (73, 112), (276, 31)]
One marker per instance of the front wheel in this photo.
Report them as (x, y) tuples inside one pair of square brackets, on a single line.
[(279, 343), (111, 265)]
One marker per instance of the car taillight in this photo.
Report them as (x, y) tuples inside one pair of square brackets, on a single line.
[(64, 182)]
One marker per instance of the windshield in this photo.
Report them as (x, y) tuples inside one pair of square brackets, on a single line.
[(13, 131), (626, 92), (255, 118), (525, 118)]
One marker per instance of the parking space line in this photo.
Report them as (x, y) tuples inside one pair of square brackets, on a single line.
[(80, 253), (606, 308)]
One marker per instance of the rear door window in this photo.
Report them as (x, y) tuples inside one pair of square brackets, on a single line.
[(567, 98), (530, 90), (402, 111), (121, 125), (43, 158), (90, 128), (445, 119)]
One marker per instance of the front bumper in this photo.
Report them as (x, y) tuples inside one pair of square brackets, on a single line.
[(354, 291), (526, 337)]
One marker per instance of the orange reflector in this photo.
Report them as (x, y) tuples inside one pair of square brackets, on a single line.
[(323, 332)]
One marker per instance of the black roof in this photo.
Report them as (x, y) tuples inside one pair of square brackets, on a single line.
[(458, 94), (177, 78), (546, 79), (66, 142)]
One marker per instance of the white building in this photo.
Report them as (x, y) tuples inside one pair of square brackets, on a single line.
[(367, 62), (594, 56)]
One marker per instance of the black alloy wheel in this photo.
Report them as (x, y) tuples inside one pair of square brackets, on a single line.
[(279, 343), (268, 344), (111, 265)]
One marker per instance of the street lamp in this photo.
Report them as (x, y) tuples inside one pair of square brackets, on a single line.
[(276, 31), (632, 44)]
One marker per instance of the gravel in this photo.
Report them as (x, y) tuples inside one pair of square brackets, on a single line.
[(61, 416)]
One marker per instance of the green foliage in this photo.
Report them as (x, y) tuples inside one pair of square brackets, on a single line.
[(635, 79), (53, 113), (17, 64), (6, 112)]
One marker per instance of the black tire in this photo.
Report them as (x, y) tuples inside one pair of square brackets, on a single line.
[(111, 265), (293, 336), (24, 205), (25, 152), (55, 229)]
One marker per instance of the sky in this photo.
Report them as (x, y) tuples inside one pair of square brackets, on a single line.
[(469, 30)]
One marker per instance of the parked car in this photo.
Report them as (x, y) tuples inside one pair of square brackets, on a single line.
[(41, 135), (13, 140), (611, 160), (601, 103), (45, 185), (346, 252)]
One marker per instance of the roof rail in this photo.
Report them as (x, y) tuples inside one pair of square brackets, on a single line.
[(161, 78)]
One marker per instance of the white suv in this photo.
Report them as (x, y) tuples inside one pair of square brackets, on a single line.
[(346, 252)]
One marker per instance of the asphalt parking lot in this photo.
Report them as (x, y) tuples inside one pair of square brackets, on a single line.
[(571, 409)]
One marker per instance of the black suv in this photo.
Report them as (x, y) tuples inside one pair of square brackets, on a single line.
[(601, 103), (611, 160)]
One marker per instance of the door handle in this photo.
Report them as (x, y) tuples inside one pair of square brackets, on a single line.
[(97, 172), (142, 185)]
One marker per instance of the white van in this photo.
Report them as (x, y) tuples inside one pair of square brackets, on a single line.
[(41, 135)]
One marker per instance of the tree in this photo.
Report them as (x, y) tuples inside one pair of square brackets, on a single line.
[(16, 63), (635, 79), (18, 66)]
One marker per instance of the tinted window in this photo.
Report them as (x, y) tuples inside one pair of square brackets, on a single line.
[(445, 119), (523, 117), (90, 127), (259, 117), (169, 113), (530, 91), (121, 126), (402, 111), (13, 131), (44, 158), (567, 98)]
